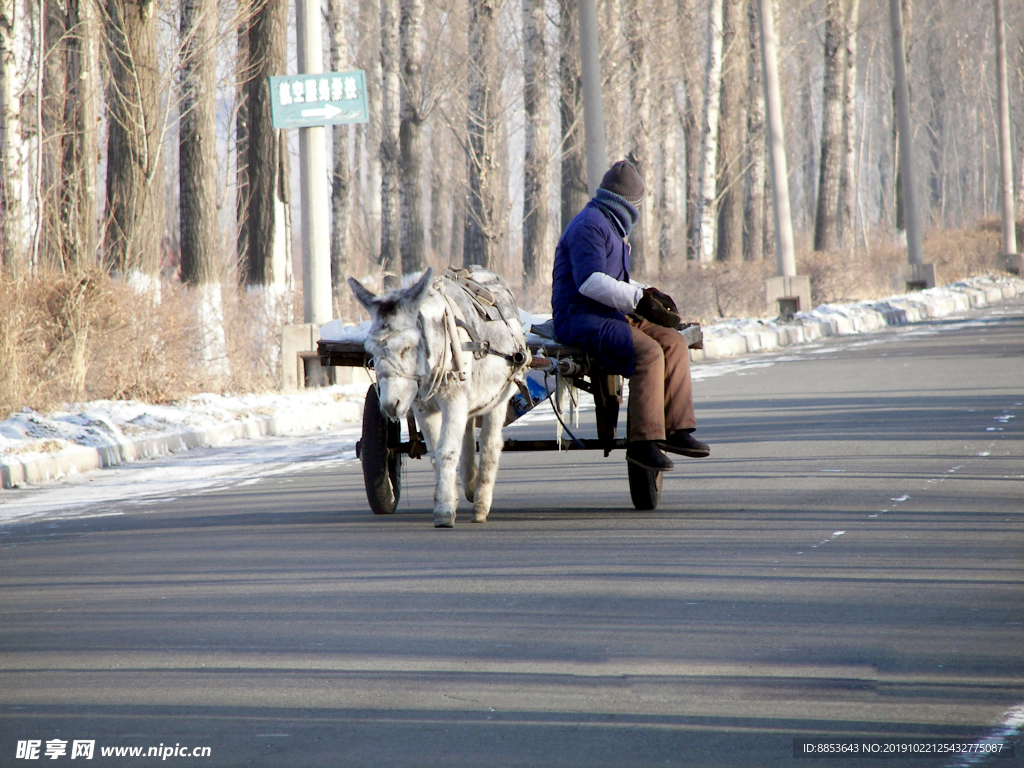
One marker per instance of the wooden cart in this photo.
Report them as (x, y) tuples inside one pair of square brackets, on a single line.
[(381, 447)]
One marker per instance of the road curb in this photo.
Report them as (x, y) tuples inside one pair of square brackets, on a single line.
[(845, 320), (15, 472)]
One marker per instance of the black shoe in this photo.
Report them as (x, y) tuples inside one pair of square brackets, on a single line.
[(645, 453), (684, 443)]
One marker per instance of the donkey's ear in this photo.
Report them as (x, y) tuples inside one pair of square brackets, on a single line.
[(419, 291), (362, 294)]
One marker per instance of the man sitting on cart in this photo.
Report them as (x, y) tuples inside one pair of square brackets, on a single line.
[(629, 327)]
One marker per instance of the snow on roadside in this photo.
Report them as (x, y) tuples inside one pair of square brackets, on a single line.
[(122, 431), (40, 447)]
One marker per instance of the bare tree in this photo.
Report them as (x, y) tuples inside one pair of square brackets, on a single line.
[(756, 178), (135, 184), (484, 218), (671, 195), (341, 181), (690, 75), (637, 32), (268, 256), (732, 133), (242, 76), (197, 178), (574, 165), (48, 248), (197, 139), (705, 220), (11, 245), (848, 179), (390, 150), (370, 133), (66, 139), (826, 219), (537, 246), (80, 139), (414, 257)]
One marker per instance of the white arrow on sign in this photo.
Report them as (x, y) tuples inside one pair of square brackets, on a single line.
[(326, 112)]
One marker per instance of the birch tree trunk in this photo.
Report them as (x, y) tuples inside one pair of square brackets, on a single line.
[(484, 230), (341, 183), (826, 222), (731, 125), (390, 150), (414, 257), (135, 183), (574, 166), (538, 249), (848, 179), (11, 245), (708, 189)]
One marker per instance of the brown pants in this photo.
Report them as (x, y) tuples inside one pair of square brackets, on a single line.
[(660, 391)]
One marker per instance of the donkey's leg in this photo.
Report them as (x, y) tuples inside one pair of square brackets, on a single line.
[(446, 459), (468, 464), (490, 455), (430, 425)]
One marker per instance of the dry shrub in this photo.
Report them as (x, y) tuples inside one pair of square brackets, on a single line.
[(707, 292), (996, 225), (87, 336), (253, 327), (842, 278), (960, 253)]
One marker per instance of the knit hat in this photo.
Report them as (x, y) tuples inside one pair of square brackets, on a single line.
[(623, 179)]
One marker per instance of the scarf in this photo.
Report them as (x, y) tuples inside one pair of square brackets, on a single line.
[(618, 210)]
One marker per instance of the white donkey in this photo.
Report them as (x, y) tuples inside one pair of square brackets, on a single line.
[(451, 348)]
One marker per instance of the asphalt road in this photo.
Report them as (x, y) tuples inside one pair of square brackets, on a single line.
[(847, 563)]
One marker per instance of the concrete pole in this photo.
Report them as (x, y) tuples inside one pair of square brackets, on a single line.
[(911, 213), (784, 250), (316, 237), (1005, 154), (593, 105)]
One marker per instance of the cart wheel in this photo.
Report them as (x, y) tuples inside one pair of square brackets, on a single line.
[(382, 462), (644, 486)]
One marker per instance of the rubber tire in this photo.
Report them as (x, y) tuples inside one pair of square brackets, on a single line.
[(382, 461), (644, 486)]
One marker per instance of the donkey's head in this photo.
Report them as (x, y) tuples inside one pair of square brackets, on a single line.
[(396, 342)]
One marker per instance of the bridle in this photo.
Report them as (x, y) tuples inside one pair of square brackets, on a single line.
[(438, 374), (393, 369)]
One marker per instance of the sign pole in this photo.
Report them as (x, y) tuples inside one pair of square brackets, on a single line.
[(316, 257), (593, 107)]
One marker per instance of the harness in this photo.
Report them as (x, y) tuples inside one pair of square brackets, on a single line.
[(485, 303)]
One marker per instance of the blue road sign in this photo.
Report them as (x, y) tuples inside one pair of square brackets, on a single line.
[(331, 98)]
